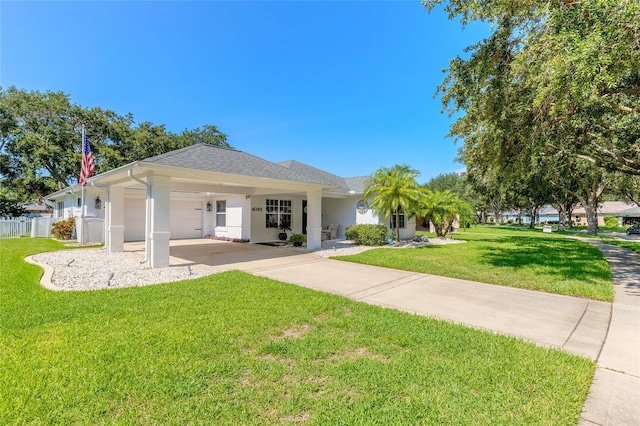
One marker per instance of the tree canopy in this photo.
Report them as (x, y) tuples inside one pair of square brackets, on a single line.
[(552, 95), (40, 140)]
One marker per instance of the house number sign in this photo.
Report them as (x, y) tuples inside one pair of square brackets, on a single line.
[(256, 209)]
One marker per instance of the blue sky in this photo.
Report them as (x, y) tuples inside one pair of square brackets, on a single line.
[(345, 86)]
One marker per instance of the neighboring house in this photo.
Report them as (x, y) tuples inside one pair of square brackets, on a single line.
[(513, 216), (579, 216), (548, 214), (606, 208), (630, 216), (205, 190), (35, 209)]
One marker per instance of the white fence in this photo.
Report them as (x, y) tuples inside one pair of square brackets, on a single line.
[(90, 231), (15, 227), (43, 227)]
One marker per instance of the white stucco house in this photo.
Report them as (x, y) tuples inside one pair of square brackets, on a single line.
[(206, 190)]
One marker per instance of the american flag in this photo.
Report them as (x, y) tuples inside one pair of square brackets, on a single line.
[(88, 166)]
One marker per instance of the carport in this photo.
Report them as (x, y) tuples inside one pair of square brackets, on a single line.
[(200, 172)]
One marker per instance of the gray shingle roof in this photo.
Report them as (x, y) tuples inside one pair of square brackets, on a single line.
[(633, 211), (357, 184), (225, 160), (345, 185), (317, 174)]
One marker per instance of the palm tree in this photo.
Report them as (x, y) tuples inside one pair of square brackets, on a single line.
[(442, 208), (393, 190)]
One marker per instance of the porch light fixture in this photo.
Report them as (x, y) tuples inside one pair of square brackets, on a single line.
[(209, 206), (98, 203)]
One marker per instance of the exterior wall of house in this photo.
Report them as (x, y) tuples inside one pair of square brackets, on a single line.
[(581, 218), (258, 217), (344, 212), (70, 204), (245, 216), (513, 217), (341, 211), (237, 217)]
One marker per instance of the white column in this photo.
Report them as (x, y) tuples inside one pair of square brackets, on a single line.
[(314, 220), (115, 219), (160, 234), (246, 218)]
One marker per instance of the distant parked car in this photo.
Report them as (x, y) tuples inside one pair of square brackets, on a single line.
[(634, 229)]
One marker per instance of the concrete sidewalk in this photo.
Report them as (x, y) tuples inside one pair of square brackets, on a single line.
[(614, 398), (605, 332)]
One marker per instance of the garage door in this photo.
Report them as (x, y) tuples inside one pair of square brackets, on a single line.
[(186, 219), (134, 219)]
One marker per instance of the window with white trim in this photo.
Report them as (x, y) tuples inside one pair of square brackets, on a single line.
[(60, 209), (221, 213), (401, 219), (277, 212)]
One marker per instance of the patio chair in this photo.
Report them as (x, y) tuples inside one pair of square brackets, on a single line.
[(329, 233)]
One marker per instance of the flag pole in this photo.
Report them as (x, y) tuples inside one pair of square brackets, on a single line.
[(83, 154)]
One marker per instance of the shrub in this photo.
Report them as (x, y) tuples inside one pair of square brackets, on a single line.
[(297, 239), (367, 235), (63, 230), (611, 221)]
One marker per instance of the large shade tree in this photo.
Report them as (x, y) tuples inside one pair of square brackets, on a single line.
[(553, 77), (40, 140), (41, 147), (392, 191)]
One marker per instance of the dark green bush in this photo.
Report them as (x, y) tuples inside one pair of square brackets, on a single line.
[(63, 230), (297, 239), (367, 235), (611, 221)]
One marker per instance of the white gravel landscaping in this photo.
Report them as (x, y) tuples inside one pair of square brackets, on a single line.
[(93, 269)]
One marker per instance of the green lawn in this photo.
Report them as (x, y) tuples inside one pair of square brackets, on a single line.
[(237, 349), (512, 257)]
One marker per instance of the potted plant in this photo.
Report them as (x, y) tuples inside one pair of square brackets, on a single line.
[(284, 226), (297, 240)]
